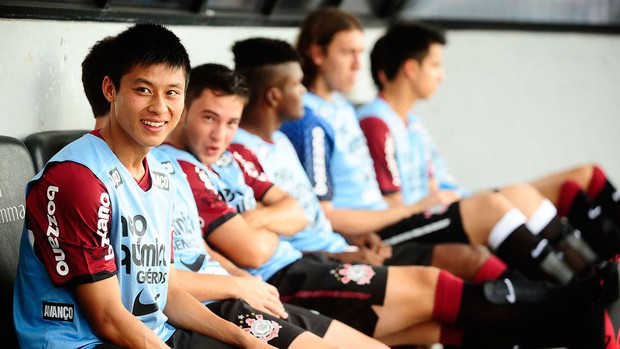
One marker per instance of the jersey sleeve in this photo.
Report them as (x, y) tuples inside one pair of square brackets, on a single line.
[(383, 152), (212, 209), (69, 214), (253, 172), (313, 140)]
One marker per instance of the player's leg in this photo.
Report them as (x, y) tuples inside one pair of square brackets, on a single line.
[(274, 331), (424, 333), (597, 228), (543, 220), (550, 185), (470, 262), (480, 310), (491, 219), (347, 337), (332, 331)]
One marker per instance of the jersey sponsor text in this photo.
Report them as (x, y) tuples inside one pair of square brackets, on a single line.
[(58, 311), (143, 255), (53, 232), (103, 219)]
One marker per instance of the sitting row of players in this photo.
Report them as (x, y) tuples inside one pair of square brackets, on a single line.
[(97, 256)]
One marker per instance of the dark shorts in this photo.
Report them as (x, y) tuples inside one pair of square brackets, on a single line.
[(411, 253), (440, 225), (275, 331), (181, 339), (342, 291)]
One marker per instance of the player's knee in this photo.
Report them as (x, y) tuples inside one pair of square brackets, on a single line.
[(489, 202), (583, 173), (519, 190)]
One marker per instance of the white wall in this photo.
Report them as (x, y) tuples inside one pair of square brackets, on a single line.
[(515, 104)]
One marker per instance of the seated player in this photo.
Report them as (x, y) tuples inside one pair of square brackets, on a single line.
[(96, 251), (246, 301), (408, 165), (394, 304)]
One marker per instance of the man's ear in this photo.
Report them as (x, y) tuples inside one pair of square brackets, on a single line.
[(109, 91), (410, 68), (316, 54), (273, 96), (382, 77)]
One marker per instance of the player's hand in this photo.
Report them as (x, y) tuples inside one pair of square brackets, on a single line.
[(438, 198), (371, 241), (261, 295)]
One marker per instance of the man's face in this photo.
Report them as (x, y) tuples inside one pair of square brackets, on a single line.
[(148, 103), (430, 74), (339, 64), (291, 106), (211, 122)]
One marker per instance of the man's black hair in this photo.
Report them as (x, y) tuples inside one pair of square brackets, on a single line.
[(402, 41), (95, 67), (218, 78), (145, 45), (257, 52), (258, 58)]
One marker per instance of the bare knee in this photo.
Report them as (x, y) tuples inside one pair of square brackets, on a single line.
[(582, 174), (487, 201), (481, 212), (525, 197)]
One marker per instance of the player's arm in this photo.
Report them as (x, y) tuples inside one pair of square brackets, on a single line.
[(229, 266), (279, 212), (253, 290), (110, 320), (383, 153), (243, 245), (186, 312), (224, 229), (357, 221)]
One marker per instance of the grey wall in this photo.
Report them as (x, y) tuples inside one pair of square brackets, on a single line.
[(514, 105)]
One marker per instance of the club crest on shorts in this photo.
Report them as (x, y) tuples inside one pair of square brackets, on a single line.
[(361, 274), (259, 327)]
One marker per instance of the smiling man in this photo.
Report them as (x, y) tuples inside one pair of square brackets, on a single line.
[(95, 267)]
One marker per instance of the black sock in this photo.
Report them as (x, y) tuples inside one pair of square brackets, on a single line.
[(531, 315), (533, 257), (604, 194), (565, 239), (596, 229)]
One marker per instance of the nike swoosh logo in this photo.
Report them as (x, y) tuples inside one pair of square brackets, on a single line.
[(140, 308), (539, 248), (197, 263), (594, 212), (511, 297)]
